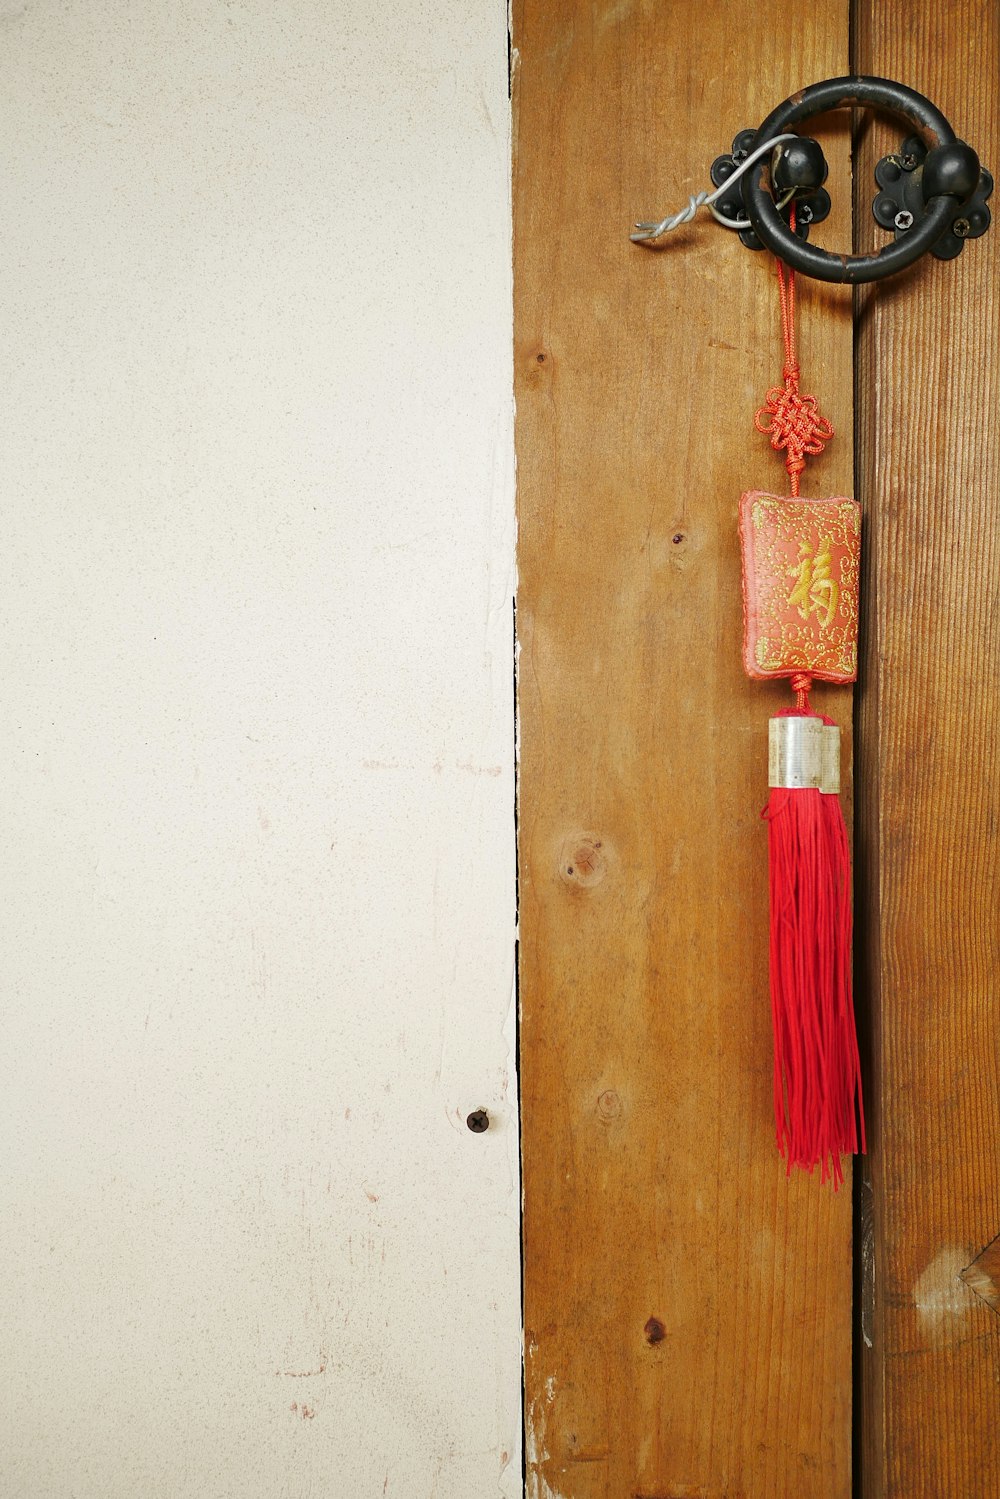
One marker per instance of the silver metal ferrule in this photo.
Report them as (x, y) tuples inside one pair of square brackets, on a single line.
[(803, 752)]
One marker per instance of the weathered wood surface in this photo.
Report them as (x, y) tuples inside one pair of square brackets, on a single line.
[(929, 809), (687, 1309)]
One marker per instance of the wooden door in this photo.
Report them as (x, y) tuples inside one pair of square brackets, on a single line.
[(688, 1310)]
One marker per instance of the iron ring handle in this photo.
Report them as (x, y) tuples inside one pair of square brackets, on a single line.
[(835, 93)]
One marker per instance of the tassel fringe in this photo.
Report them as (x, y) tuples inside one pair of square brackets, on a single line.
[(817, 1075)]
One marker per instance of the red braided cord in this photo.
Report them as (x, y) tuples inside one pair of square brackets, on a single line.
[(802, 686), (792, 421)]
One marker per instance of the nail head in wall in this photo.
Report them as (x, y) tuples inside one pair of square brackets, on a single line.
[(478, 1121)]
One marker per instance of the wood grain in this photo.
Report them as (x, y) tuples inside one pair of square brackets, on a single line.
[(983, 1275), (687, 1308), (929, 795)]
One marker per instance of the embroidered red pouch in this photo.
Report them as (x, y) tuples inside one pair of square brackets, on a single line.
[(801, 561)]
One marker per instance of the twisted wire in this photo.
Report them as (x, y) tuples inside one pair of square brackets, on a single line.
[(650, 230)]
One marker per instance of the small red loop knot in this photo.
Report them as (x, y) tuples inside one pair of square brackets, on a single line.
[(802, 686), (791, 373)]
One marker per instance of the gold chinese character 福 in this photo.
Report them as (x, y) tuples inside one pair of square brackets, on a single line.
[(815, 591)]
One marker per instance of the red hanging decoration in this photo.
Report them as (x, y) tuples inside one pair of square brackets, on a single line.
[(792, 421), (800, 590), (817, 1075)]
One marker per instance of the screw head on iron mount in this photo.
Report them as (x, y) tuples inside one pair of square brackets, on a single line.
[(912, 176)]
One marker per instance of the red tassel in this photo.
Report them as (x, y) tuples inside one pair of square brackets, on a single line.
[(817, 1075)]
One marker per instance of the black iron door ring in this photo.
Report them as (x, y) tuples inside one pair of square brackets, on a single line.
[(951, 172)]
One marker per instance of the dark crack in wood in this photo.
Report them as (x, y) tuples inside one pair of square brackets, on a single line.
[(983, 1275)]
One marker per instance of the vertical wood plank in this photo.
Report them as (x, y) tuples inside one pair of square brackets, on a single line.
[(687, 1308), (929, 797)]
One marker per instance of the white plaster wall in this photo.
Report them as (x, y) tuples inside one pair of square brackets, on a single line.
[(258, 930)]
